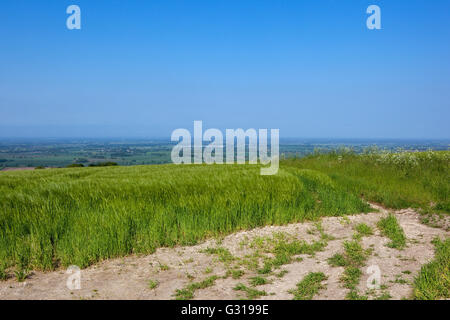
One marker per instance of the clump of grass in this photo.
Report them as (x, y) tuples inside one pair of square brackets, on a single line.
[(250, 292), (250, 261), (237, 273), (433, 280), (284, 250), (223, 254), (309, 286), (351, 277), (188, 292), (354, 255), (258, 281), (208, 270), (152, 284), (22, 263), (353, 258), (190, 276), (384, 296), (337, 260), (400, 280), (21, 274), (267, 268), (281, 274), (323, 235), (184, 294), (354, 295), (363, 229), (406, 272), (164, 267), (3, 272), (390, 228)]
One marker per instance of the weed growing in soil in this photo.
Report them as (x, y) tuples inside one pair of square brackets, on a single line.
[(250, 292), (309, 286), (433, 281), (390, 228), (188, 292), (353, 258), (152, 284)]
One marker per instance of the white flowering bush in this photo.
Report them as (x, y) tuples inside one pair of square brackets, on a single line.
[(407, 160)]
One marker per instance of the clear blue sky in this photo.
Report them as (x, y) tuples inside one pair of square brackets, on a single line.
[(143, 68)]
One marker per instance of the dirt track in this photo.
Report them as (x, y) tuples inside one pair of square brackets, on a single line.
[(175, 268)]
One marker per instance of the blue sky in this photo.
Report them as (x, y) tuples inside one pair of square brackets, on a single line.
[(144, 68)]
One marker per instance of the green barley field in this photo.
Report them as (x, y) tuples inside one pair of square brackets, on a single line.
[(82, 215), (59, 217)]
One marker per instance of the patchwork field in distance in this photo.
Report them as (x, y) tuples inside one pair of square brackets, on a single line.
[(59, 217)]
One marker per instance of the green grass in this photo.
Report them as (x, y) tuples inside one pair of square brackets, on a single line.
[(21, 274), (337, 260), (79, 216), (3, 273), (353, 295), (237, 273), (250, 292), (363, 229), (309, 286), (223, 254), (354, 255), (353, 258), (351, 277), (390, 228), (164, 267), (281, 274), (396, 180), (188, 292), (152, 284), (285, 249), (384, 296), (258, 281), (433, 281), (208, 270)]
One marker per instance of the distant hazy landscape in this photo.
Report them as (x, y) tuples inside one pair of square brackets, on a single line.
[(63, 152)]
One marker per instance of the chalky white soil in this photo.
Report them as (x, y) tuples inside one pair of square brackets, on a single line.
[(128, 278)]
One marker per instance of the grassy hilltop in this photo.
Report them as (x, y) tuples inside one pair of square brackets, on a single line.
[(59, 217), (395, 180)]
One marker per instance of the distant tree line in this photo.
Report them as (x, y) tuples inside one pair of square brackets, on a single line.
[(97, 164)]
